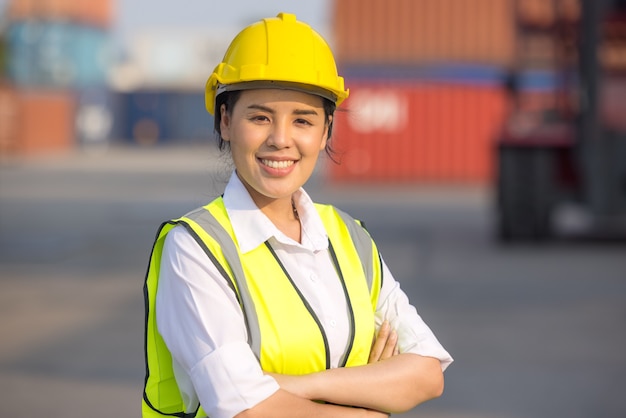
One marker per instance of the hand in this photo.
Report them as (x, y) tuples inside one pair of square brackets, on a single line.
[(385, 345)]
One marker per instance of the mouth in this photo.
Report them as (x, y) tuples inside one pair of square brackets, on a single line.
[(277, 164)]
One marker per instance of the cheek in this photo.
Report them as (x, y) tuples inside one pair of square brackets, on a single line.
[(238, 149), (244, 141)]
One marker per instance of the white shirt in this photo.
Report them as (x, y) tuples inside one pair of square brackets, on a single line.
[(203, 326)]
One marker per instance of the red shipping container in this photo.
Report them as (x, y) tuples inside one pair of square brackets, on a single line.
[(89, 12), (543, 13), (45, 122), (416, 31), (411, 131)]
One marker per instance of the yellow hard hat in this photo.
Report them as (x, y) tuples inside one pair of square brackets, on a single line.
[(279, 52)]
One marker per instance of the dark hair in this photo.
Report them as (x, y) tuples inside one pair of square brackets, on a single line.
[(230, 98)]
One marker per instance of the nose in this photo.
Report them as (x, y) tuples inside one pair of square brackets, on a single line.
[(280, 135)]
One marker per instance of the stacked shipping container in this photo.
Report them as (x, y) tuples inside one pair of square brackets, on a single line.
[(159, 117), (57, 50), (426, 79), (56, 54), (420, 31), (94, 13), (410, 130)]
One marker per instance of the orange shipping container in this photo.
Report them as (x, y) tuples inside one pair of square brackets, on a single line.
[(45, 122), (90, 12), (407, 132), (543, 13), (8, 119), (414, 31)]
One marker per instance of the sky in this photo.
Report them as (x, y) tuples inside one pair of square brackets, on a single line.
[(135, 16)]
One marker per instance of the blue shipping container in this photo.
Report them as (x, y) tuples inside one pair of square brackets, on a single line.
[(154, 117), (95, 116), (57, 54)]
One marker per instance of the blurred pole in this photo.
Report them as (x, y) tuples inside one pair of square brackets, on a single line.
[(590, 141), (590, 68)]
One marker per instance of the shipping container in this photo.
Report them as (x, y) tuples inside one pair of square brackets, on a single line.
[(95, 118), (91, 13), (158, 117), (613, 103), (395, 32), (188, 119), (543, 13), (44, 122), (57, 54), (8, 120), (430, 77), (409, 131), (145, 113)]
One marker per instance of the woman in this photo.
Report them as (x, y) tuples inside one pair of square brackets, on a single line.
[(262, 303)]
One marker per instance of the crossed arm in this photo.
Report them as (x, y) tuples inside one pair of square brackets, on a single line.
[(390, 382)]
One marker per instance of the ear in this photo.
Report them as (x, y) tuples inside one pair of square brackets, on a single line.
[(224, 123), (326, 132)]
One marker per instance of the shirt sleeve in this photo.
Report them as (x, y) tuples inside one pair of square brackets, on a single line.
[(414, 335), (202, 325)]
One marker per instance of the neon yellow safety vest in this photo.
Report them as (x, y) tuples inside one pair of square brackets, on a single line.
[(283, 331)]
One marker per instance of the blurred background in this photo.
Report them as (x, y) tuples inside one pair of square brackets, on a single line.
[(483, 142)]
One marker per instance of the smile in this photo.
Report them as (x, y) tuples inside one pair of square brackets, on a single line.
[(277, 164)]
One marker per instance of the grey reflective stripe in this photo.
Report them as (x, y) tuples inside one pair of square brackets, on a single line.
[(207, 221), (351, 321), (363, 244)]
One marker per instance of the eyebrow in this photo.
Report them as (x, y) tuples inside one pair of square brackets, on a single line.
[(295, 112)]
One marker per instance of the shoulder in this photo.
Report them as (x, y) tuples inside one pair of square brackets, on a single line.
[(179, 238), (328, 212), (325, 209)]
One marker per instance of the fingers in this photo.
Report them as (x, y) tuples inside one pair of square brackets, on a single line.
[(379, 342), (390, 345), (385, 345)]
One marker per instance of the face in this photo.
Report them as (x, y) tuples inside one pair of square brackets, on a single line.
[(275, 139)]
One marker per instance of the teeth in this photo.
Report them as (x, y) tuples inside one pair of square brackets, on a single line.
[(277, 164)]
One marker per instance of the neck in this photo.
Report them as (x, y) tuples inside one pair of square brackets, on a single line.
[(284, 215), (281, 212)]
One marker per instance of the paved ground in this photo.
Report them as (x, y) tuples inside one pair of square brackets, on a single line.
[(536, 331)]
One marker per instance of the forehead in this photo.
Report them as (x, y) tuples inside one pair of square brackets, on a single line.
[(275, 97)]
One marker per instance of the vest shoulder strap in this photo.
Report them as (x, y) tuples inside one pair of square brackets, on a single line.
[(206, 218), (363, 243)]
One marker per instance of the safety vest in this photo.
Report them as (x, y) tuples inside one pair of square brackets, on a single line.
[(283, 331)]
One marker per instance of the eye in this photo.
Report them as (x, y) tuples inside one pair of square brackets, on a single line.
[(303, 122), (259, 118)]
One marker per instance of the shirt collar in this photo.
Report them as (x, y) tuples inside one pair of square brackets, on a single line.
[(252, 228)]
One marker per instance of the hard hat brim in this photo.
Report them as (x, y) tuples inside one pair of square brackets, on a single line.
[(283, 85)]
